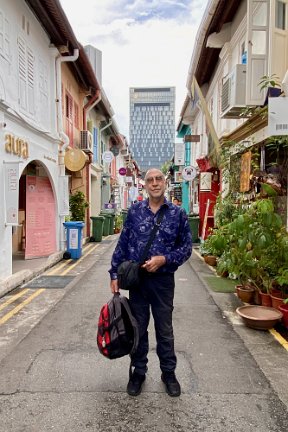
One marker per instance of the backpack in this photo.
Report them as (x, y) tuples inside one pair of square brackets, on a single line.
[(117, 333)]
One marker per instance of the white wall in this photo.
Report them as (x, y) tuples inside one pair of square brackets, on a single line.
[(27, 107)]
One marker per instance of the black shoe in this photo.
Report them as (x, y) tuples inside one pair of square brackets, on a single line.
[(134, 386), (172, 385)]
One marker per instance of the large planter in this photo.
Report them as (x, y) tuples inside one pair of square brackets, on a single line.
[(259, 317), (265, 299), (276, 301), (210, 260), (245, 293), (284, 309)]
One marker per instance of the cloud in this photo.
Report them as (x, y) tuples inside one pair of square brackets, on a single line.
[(143, 43)]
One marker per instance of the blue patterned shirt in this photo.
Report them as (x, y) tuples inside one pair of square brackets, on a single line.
[(173, 238)]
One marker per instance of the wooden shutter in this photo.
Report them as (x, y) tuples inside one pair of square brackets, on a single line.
[(95, 144), (257, 53)]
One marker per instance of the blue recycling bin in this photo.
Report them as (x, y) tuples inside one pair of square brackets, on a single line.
[(74, 236)]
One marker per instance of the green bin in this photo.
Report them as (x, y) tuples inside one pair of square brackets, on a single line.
[(194, 227), (124, 215), (106, 225), (97, 228), (112, 219)]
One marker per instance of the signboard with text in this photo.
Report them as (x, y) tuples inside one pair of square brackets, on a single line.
[(11, 181), (179, 153), (192, 138)]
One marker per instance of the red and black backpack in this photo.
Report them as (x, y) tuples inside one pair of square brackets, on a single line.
[(117, 333)]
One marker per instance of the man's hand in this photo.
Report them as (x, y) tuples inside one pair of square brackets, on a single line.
[(114, 286), (153, 264)]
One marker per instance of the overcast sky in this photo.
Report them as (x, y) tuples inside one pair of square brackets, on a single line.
[(143, 43)]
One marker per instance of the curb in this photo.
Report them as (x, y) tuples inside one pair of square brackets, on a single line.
[(23, 276)]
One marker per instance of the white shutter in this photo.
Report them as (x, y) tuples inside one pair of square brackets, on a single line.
[(257, 53), (22, 69), (31, 81), (1, 32), (278, 58)]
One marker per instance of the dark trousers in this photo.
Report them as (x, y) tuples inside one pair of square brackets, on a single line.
[(156, 291)]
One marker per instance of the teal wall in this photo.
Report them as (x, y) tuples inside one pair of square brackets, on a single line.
[(186, 130)]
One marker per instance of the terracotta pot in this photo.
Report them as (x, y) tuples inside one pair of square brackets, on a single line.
[(265, 299), (256, 297), (210, 259), (284, 309), (276, 301), (245, 293)]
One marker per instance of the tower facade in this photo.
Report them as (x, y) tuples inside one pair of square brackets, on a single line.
[(152, 125)]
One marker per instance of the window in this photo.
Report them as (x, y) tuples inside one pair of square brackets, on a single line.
[(76, 115), (280, 15), (4, 36), (26, 72), (69, 117)]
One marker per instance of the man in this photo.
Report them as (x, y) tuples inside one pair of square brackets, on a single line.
[(171, 247)]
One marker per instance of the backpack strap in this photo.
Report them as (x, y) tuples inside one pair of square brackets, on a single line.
[(125, 304), (152, 235), (117, 312)]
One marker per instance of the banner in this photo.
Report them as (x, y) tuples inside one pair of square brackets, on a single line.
[(11, 191), (63, 195), (179, 154)]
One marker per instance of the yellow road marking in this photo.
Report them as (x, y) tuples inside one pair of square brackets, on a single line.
[(279, 338), (39, 291), (79, 260), (19, 307), (13, 298)]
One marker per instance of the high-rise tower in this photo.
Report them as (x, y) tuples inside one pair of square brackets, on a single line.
[(152, 125)]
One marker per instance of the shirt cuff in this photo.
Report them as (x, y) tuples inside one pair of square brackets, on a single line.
[(113, 276)]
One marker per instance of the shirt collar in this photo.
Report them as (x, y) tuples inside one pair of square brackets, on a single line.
[(146, 203)]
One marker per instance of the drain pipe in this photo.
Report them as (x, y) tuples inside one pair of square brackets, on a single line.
[(87, 108), (63, 137)]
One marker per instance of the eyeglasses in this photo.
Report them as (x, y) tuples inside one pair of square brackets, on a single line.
[(158, 179)]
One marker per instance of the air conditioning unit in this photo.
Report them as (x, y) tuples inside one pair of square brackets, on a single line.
[(86, 141), (233, 99)]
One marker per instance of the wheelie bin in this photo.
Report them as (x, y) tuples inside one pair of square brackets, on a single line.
[(194, 227), (74, 235), (97, 228)]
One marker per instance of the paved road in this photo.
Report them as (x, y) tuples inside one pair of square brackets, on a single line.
[(53, 378)]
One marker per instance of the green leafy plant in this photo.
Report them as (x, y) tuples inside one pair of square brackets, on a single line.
[(77, 206), (269, 81), (118, 224), (254, 245)]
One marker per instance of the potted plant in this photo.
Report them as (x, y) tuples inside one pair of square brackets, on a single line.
[(77, 206), (284, 309), (118, 224)]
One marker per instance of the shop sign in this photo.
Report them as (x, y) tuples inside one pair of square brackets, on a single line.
[(245, 171), (205, 181), (189, 173), (192, 138), (122, 171), (109, 206), (11, 179), (179, 154), (107, 156), (16, 146), (277, 116)]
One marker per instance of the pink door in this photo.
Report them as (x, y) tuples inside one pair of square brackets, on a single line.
[(40, 218)]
